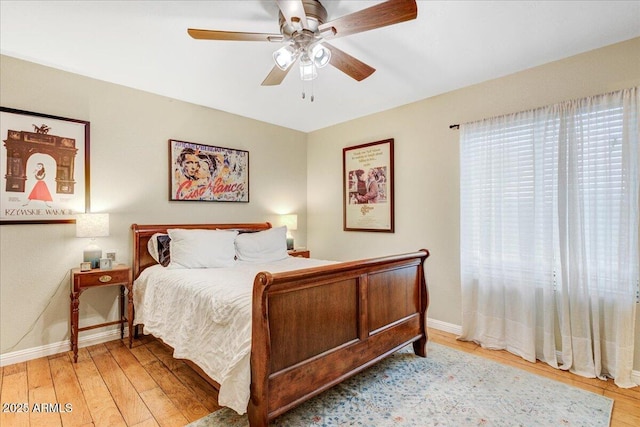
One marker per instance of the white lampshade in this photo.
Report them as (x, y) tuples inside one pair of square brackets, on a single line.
[(291, 221), (92, 225)]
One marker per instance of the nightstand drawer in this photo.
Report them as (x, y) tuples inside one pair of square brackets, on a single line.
[(102, 277)]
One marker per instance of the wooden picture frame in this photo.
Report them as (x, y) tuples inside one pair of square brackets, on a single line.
[(367, 171), (206, 173), (44, 166)]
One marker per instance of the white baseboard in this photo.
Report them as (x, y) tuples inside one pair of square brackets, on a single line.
[(101, 337), (457, 330), (444, 326), (59, 347)]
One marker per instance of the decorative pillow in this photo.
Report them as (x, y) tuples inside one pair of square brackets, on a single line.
[(164, 246), (196, 248), (152, 246), (262, 246)]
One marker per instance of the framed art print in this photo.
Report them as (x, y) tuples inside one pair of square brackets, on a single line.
[(106, 264), (367, 171), (199, 172), (44, 166)]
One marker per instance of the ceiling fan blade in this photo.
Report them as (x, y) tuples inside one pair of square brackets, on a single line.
[(276, 76), (293, 11), (380, 15), (231, 35), (349, 65)]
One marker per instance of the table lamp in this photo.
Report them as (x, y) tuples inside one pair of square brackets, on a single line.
[(291, 222), (92, 225)]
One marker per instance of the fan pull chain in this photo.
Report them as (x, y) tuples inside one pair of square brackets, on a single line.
[(304, 95)]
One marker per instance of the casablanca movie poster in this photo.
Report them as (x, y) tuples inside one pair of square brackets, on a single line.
[(44, 167), (368, 187), (206, 173)]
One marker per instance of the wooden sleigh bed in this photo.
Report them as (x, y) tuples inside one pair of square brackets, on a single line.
[(342, 318)]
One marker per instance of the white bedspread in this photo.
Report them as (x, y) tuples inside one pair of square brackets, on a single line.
[(205, 315)]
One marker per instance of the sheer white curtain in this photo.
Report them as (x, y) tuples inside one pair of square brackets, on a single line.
[(549, 234)]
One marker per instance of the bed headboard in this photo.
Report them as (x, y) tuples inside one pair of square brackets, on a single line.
[(142, 233)]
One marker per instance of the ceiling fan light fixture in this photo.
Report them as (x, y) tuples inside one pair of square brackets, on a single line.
[(320, 55), (285, 56), (304, 27), (308, 69)]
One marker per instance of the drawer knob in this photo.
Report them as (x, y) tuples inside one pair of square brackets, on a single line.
[(105, 279)]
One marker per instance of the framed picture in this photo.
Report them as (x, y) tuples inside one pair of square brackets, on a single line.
[(106, 264), (44, 167), (206, 173), (367, 171)]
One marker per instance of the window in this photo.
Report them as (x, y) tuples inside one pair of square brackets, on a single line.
[(529, 178), (549, 233)]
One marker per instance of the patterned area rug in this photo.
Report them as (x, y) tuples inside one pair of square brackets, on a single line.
[(447, 388)]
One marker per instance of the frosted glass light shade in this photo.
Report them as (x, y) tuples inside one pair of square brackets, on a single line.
[(320, 55), (285, 56), (307, 69)]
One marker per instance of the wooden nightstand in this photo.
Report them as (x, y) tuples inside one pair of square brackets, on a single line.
[(121, 276), (302, 253)]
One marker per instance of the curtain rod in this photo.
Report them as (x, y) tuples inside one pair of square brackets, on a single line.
[(454, 126)]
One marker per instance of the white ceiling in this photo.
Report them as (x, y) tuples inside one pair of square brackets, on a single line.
[(452, 44)]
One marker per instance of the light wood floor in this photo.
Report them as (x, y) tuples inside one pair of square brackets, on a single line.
[(112, 385)]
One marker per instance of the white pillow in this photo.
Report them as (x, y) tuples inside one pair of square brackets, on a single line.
[(152, 246), (201, 248), (262, 246)]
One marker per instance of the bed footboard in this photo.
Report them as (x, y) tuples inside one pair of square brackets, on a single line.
[(313, 328)]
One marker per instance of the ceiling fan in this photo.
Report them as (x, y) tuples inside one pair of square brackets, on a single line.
[(304, 30)]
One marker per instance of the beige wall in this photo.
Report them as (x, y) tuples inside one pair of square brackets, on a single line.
[(129, 133), (129, 145), (427, 165)]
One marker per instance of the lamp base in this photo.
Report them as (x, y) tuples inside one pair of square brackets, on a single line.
[(92, 254), (289, 243)]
